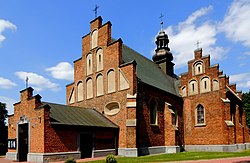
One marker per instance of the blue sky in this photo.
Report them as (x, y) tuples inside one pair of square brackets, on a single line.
[(41, 39)]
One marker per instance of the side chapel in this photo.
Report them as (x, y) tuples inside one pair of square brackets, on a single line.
[(125, 104)]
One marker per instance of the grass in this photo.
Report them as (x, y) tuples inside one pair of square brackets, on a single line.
[(179, 157)]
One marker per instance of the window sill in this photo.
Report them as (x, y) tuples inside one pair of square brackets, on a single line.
[(154, 125), (200, 125)]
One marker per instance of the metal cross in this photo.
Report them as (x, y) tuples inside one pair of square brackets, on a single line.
[(161, 16), (197, 44), (95, 10), (27, 82)]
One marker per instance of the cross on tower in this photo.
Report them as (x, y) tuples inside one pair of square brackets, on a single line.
[(95, 10), (161, 16), (197, 44)]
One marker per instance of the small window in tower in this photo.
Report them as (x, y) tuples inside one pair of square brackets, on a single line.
[(205, 84), (193, 86), (199, 69)]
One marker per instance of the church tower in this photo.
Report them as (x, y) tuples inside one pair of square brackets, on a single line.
[(163, 57)]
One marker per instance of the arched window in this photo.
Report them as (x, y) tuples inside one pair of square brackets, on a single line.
[(153, 113), (99, 60), (198, 68), (72, 96), (89, 64), (89, 85), (184, 91), (200, 115), (99, 85), (192, 87), (80, 91), (205, 85), (94, 39), (111, 81), (216, 85)]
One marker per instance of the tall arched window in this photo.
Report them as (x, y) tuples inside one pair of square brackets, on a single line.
[(94, 39), (80, 91), (215, 85), (99, 60), (153, 113), (198, 68), (200, 115), (89, 85), (111, 81), (192, 87), (205, 85), (89, 64), (99, 85)]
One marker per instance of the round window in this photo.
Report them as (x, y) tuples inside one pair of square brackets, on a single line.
[(112, 108)]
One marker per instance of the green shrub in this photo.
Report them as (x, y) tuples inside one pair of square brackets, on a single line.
[(70, 160), (111, 159)]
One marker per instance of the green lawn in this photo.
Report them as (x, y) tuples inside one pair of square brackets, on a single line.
[(180, 157)]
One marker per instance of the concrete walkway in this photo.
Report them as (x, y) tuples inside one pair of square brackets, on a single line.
[(223, 160)]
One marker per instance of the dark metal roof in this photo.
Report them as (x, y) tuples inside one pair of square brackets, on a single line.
[(149, 72), (77, 116)]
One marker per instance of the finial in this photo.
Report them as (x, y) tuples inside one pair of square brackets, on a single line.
[(161, 16), (197, 44), (27, 82), (95, 10)]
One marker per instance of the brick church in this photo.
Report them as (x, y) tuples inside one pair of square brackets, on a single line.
[(125, 104)]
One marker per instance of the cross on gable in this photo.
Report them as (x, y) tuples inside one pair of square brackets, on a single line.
[(27, 82), (95, 10), (161, 16), (197, 44)]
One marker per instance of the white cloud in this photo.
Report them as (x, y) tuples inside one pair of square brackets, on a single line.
[(236, 23), (247, 53), (6, 83), (186, 33), (37, 81), (62, 70), (5, 24), (9, 103), (242, 80)]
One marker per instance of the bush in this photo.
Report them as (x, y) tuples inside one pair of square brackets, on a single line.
[(70, 160), (111, 159)]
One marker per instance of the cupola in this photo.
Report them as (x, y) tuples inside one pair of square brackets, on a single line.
[(163, 56)]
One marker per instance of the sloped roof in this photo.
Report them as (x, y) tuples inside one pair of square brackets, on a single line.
[(77, 116), (149, 72)]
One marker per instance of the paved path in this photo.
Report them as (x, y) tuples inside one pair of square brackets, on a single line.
[(223, 160)]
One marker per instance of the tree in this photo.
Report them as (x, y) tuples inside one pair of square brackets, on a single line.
[(3, 115), (3, 128), (246, 106)]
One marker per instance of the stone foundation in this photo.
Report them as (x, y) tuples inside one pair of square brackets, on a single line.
[(104, 152), (212, 148), (51, 157), (11, 156), (134, 152)]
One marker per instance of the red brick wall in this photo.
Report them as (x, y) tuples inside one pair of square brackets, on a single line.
[(215, 131), (163, 133), (112, 59), (27, 107)]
